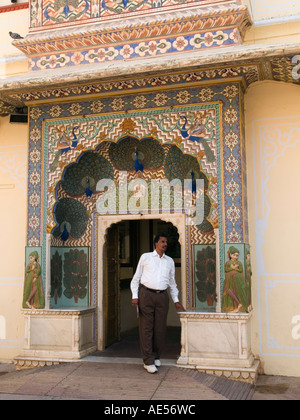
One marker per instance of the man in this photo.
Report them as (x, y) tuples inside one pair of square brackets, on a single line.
[(154, 274)]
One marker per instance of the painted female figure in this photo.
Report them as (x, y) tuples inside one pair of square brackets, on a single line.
[(235, 294), (248, 274), (33, 296)]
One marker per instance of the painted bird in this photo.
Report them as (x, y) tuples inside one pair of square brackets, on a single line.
[(195, 134), (88, 191), (75, 141), (193, 182), (66, 9), (64, 144), (64, 234), (137, 164), (14, 35)]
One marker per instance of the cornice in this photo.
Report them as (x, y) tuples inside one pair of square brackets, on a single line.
[(251, 63), (13, 7), (215, 316), (194, 60), (97, 35), (57, 312)]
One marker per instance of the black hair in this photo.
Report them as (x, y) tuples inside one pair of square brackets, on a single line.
[(157, 237)]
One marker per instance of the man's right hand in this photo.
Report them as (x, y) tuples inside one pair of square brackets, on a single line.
[(135, 302)]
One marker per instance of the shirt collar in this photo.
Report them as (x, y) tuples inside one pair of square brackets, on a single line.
[(155, 254)]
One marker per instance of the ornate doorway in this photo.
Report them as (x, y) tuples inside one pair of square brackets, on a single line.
[(125, 242), (109, 304)]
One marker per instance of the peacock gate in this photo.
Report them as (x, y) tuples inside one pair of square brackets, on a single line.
[(122, 147), (116, 168)]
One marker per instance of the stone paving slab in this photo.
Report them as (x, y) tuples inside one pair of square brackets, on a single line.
[(90, 380), (104, 381)]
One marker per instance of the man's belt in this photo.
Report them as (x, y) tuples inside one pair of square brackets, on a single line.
[(153, 290)]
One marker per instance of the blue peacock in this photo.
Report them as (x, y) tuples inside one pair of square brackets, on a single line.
[(64, 144), (195, 133)]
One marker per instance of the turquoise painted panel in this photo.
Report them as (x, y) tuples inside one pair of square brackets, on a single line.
[(205, 277), (69, 277)]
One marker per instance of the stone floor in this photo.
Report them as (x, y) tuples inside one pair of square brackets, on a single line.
[(117, 374)]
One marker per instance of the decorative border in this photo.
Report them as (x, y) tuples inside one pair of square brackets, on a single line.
[(146, 48), (246, 73), (57, 312), (217, 316), (13, 7)]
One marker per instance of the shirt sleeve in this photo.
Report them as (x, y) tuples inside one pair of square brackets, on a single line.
[(135, 282), (173, 286)]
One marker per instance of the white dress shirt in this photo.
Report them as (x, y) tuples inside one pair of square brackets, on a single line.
[(156, 273)]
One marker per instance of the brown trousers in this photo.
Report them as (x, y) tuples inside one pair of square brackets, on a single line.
[(154, 309)]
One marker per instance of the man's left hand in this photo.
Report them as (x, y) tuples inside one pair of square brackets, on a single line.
[(179, 307)]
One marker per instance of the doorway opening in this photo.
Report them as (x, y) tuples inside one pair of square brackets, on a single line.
[(125, 242)]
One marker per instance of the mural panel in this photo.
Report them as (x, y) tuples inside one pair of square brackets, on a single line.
[(33, 293), (69, 277), (205, 277), (237, 285)]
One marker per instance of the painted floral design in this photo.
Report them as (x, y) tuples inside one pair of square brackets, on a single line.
[(56, 277), (232, 164), (231, 140), (75, 274), (233, 214)]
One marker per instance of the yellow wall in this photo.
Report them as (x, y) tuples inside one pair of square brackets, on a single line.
[(273, 34), (13, 183), (269, 9), (273, 151), (12, 60)]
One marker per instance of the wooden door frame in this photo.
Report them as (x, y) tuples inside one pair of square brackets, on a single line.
[(104, 222), (116, 288)]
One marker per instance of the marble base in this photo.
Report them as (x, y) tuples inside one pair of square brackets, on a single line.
[(218, 343), (55, 336)]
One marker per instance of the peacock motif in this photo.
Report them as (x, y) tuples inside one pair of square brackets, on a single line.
[(71, 219), (196, 133), (182, 167), (131, 154), (64, 144), (82, 177)]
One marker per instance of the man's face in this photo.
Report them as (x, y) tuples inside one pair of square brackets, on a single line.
[(162, 244)]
